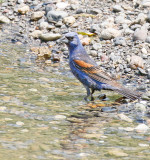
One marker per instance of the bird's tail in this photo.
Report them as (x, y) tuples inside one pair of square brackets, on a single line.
[(133, 95)]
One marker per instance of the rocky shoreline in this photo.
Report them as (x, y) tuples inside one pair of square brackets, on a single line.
[(115, 33)]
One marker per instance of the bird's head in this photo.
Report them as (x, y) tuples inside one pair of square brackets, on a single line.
[(72, 39)]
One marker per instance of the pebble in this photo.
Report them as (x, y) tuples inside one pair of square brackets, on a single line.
[(117, 8), (43, 25), (142, 72), (128, 129), (119, 41), (8, 119), (37, 15), (36, 34), (141, 128), (20, 1), (24, 130), (148, 17), (136, 61), (148, 73), (125, 118), (141, 18), (95, 28), (143, 145), (97, 46), (140, 33), (148, 39), (108, 109), (140, 106), (4, 19), (69, 20), (24, 9), (61, 5), (59, 117), (110, 33), (49, 36), (19, 123), (146, 3), (55, 16), (144, 51), (85, 41), (117, 152)]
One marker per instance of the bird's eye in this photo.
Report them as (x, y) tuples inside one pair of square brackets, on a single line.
[(70, 38)]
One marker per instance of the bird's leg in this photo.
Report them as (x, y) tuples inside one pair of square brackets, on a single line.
[(88, 93), (92, 91)]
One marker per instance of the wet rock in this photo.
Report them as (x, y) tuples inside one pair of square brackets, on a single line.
[(136, 62), (49, 36), (8, 119), (24, 130), (110, 33), (4, 19), (125, 118), (37, 15), (19, 123), (59, 117), (3, 108), (36, 34), (55, 16), (23, 9), (141, 128), (146, 96), (140, 34), (117, 8), (127, 129), (69, 20), (108, 109), (89, 136), (119, 41), (143, 145), (117, 152), (140, 106)]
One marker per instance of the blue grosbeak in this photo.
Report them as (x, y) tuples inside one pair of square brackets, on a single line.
[(89, 73)]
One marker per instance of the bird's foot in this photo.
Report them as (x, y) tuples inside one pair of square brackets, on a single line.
[(87, 99), (92, 98)]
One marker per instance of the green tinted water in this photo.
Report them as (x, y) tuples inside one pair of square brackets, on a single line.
[(43, 116)]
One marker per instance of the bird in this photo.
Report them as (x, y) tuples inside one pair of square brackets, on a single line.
[(90, 74)]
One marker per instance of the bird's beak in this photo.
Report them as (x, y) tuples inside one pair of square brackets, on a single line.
[(64, 40)]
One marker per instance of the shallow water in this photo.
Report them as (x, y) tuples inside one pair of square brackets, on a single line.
[(43, 116)]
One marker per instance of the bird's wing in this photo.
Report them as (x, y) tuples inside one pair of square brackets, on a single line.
[(95, 72)]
